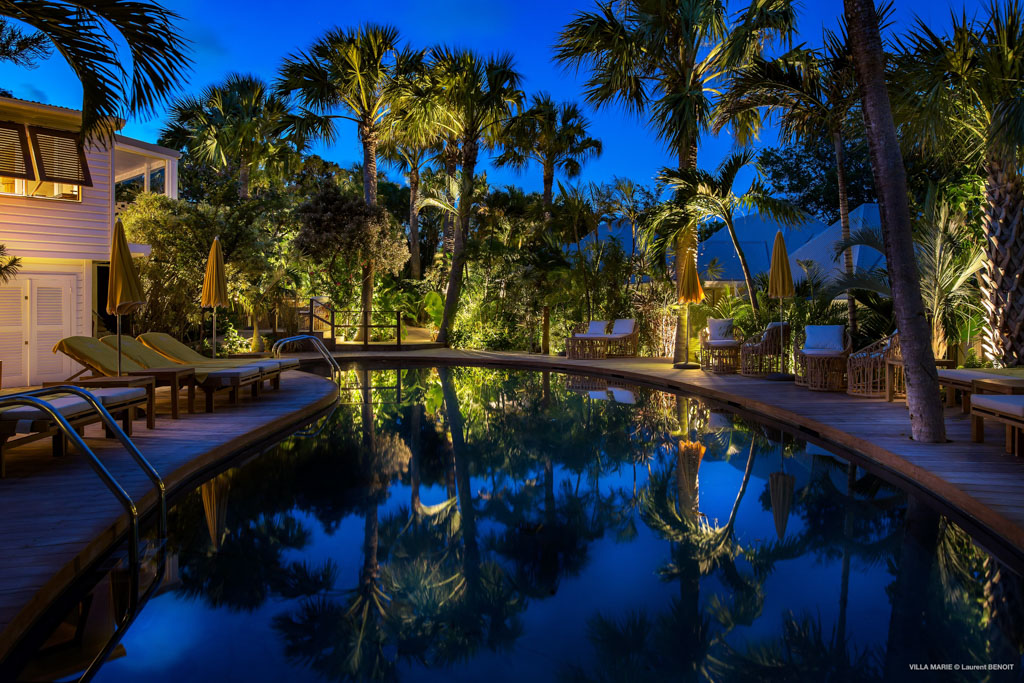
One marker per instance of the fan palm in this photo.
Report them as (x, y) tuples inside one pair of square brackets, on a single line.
[(89, 35), (865, 40), (348, 71), (481, 94), (240, 125), (653, 57), (960, 94), (9, 265), (809, 94), (411, 133), (710, 196), (551, 134)]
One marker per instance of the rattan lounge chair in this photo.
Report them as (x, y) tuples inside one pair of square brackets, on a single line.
[(866, 368), (34, 424), (719, 347), (767, 353), (102, 359), (175, 351), (821, 361)]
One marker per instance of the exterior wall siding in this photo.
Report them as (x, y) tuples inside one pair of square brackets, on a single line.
[(48, 228)]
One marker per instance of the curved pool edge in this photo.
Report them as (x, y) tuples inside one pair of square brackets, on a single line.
[(1000, 528), (316, 395)]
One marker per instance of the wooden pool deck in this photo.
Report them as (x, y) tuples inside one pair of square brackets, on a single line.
[(978, 485), (57, 517)]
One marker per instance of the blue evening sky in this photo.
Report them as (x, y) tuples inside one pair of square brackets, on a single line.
[(252, 36)]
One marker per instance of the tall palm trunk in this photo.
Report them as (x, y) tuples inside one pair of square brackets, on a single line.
[(844, 222), (371, 524), (414, 222), (549, 181), (457, 272), (243, 177), (415, 425), (451, 162), (1002, 285), (926, 419), (747, 278), (682, 345), (368, 134), (583, 269)]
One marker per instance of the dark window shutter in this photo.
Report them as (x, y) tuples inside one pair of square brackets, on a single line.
[(58, 156), (15, 161)]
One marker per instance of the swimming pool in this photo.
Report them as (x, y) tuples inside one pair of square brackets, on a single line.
[(468, 524)]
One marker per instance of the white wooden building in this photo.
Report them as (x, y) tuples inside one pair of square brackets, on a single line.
[(57, 209)]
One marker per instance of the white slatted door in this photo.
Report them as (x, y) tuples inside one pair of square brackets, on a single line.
[(14, 348), (50, 321)]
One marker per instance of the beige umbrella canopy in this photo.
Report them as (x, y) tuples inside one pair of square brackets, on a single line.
[(124, 288), (780, 488), (215, 286)]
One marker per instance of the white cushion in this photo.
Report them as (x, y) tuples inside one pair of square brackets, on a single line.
[(598, 395), (587, 335), (598, 327), (824, 337), (721, 343), (1012, 406), (114, 395), (622, 395), (720, 328), (624, 326)]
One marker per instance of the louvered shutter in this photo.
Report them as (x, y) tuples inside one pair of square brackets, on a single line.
[(15, 161), (51, 322), (14, 333), (58, 157)]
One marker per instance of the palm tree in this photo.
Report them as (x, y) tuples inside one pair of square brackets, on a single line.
[(960, 99), (239, 126), (551, 134), (411, 133), (481, 93), (926, 420), (629, 202), (580, 216), (708, 196), (91, 37), (9, 265), (809, 94), (348, 71), (652, 57)]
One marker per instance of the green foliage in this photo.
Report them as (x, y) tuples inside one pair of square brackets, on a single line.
[(9, 265)]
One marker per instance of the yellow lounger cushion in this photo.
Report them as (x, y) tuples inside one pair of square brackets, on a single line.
[(174, 350), (147, 357), (95, 354)]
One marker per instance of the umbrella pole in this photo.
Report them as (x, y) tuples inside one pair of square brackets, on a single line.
[(213, 353), (118, 344)]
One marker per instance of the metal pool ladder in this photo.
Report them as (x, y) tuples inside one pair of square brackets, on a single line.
[(37, 399), (318, 344)]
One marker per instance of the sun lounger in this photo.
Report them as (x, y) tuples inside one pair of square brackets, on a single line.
[(35, 424), (1008, 409), (174, 350), (100, 358), (962, 379), (270, 370)]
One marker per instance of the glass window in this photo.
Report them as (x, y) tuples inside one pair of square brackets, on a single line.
[(157, 175), (128, 189)]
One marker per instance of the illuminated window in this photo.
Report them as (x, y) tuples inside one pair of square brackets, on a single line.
[(55, 168)]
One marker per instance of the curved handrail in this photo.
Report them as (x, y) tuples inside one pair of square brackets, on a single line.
[(28, 399), (318, 344)]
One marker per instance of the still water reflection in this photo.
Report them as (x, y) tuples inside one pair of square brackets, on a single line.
[(476, 524)]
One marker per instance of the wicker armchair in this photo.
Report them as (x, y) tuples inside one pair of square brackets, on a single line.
[(821, 366), (719, 347), (624, 340), (766, 354), (865, 369)]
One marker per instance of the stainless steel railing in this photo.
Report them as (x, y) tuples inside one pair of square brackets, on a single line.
[(318, 344)]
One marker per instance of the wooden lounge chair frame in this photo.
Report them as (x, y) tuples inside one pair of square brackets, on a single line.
[(824, 372), (271, 375), (1014, 427), (45, 427), (866, 367), (766, 354)]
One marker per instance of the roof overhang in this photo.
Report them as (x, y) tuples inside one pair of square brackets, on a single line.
[(37, 113)]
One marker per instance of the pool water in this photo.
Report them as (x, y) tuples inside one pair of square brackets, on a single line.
[(472, 524)]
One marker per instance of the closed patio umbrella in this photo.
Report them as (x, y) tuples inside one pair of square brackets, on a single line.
[(780, 286), (124, 289), (215, 286), (690, 292), (215, 506), (780, 489)]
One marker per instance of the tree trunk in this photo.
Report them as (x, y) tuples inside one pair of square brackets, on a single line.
[(844, 221), (583, 269), (415, 425), (457, 272), (545, 333), (414, 223), (243, 178), (679, 353), (451, 161), (751, 294), (368, 134), (926, 419), (1002, 284), (549, 181), (370, 569)]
